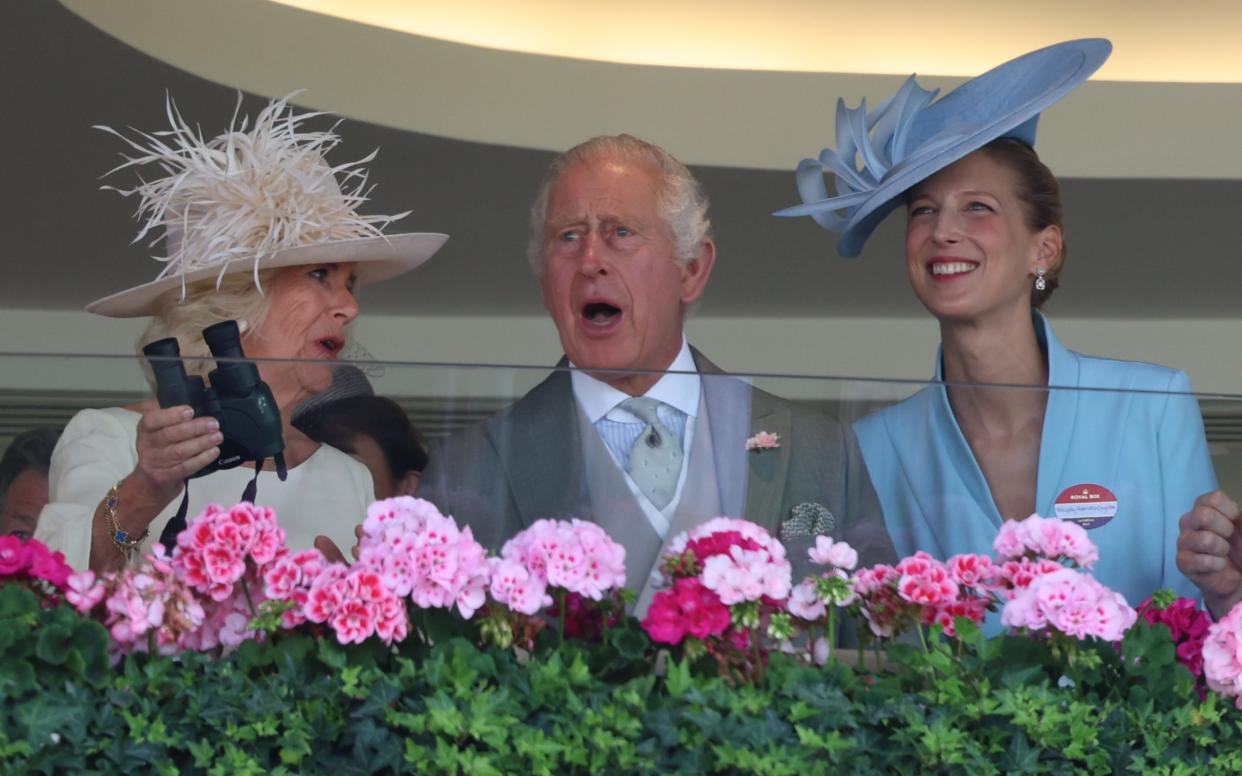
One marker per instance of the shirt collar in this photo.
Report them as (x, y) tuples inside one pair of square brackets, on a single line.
[(597, 398)]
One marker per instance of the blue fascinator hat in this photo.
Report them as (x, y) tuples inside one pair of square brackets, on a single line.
[(909, 137)]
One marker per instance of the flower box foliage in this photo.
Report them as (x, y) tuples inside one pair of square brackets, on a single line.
[(232, 654)]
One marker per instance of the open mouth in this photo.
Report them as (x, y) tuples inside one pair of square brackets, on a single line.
[(944, 270), (330, 347), (600, 314)]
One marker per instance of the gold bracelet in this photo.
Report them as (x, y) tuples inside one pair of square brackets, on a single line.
[(125, 544)]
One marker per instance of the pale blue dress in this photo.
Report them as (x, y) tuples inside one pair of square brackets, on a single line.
[(1135, 432)]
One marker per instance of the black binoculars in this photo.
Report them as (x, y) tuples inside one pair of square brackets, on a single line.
[(240, 401)]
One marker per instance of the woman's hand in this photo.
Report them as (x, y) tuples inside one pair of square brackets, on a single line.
[(1209, 550), (172, 445), (333, 553)]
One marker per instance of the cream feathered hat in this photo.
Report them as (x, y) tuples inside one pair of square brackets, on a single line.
[(255, 198)]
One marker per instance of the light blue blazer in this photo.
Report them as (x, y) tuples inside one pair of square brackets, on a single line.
[(1148, 449)]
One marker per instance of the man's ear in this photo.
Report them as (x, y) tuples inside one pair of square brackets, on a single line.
[(696, 272)]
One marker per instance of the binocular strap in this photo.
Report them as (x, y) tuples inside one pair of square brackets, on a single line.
[(168, 537)]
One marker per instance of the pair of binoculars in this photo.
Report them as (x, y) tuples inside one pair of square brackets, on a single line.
[(237, 398)]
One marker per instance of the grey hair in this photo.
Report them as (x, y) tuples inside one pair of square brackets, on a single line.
[(682, 202), (237, 299)]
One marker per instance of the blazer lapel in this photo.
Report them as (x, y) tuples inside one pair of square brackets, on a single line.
[(752, 484), (1060, 415), (541, 452), (728, 412), (768, 469)]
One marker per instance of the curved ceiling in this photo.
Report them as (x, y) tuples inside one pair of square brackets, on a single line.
[(1140, 247), (1188, 41), (760, 118)]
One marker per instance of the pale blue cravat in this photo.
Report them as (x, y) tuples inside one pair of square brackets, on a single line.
[(655, 458)]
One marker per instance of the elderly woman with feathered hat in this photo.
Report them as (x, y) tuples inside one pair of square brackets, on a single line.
[(258, 228)]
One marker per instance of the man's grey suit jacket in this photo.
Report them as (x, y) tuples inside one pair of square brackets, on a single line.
[(526, 463)]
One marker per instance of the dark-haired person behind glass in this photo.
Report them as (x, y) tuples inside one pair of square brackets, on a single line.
[(984, 247), (23, 480), (376, 431)]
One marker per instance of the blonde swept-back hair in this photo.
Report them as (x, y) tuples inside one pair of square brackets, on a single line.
[(236, 299), (682, 202)]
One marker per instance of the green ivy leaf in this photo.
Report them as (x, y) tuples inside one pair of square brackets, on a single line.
[(677, 677)]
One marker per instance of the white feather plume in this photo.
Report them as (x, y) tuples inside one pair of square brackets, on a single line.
[(246, 193)]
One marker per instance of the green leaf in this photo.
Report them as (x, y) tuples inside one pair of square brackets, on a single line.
[(677, 677)]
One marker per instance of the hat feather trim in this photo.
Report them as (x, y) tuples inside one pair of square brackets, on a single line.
[(247, 193)]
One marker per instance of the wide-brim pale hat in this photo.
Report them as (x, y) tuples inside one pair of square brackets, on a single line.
[(908, 138), (253, 199)]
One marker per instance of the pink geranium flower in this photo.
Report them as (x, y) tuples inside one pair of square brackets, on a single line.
[(575, 555), (973, 570), (14, 556), (1222, 656), (1188, 625), (513, 585), (221, 546), (1045, 537), (804, 601), (1072, 603), (423, 555), (826, 552), (84, 591), (688, 608)]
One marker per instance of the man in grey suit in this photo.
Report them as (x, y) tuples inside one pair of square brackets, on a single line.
[(644, 435)]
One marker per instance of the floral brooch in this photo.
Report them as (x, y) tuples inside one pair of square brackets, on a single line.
[(764, 440)]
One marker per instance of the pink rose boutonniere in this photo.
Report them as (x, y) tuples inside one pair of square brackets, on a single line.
[(764, 440)]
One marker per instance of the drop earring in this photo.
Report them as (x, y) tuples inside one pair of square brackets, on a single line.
[(1040, 283)]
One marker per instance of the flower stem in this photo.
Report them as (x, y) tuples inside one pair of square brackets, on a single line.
[(830, 635), (757, 654), (922, 639), (561, 596), (249, 601)]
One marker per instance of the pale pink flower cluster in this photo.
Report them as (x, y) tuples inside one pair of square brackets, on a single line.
[(804, 601), (226, 624), (146, 604), (576, 556), (921, 589), (356, 604), (872, 579), (748, 575), (1222, 656), (764, 440), (721, 525), (925, 581), (1047, 537), (839, 555), (1071, 602), (1014, 576), (421, 554), (212, 552), (84, 590), (290, 578), (811, 597), (513, 585), (752, 569), (883, 609), (977, 571)]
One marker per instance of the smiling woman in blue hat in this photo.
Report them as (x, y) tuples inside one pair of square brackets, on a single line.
[(984, 248)]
